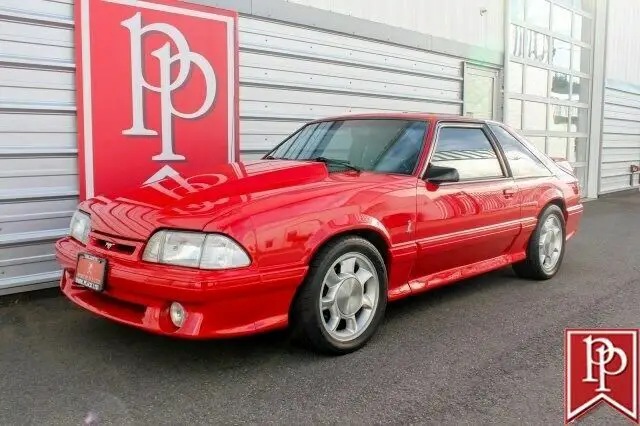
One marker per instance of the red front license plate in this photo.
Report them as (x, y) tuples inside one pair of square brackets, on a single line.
[(91, 271)]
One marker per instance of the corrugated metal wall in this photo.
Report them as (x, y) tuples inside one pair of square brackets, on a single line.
[(621, 122), (620, 138), (475, 22), (623, 50), (38, 170), (288, 75)]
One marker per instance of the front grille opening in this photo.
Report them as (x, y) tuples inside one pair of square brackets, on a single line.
[(115, 247)]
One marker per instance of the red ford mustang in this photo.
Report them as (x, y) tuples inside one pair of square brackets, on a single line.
[(344, 215)]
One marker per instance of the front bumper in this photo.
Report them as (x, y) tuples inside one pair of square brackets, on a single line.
[(219, 303)]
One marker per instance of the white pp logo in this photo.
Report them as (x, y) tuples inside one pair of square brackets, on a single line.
[(185, 57), (607, 352)]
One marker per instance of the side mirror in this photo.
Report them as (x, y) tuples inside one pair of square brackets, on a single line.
[(441, 174)]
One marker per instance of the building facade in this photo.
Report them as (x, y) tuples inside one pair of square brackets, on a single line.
[(564, 72)]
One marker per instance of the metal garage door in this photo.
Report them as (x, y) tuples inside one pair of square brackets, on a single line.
[(620, 137), (288, 74)]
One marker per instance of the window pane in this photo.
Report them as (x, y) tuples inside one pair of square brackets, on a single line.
[(515, 77), (538, 13), (558, 118), (557, 147), (468, 151), (535, 115), (561, 20), (517, 41), (579, 89), (537, 46), (523, 163), (478, 95), (517, 10), (582, 28), (579, 119), (560, 86), (581, 59), (538, 142), (514, 118), (561, 54), (536, 81), (578, 150)]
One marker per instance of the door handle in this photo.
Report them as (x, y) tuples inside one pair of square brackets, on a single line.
[(509, 192)]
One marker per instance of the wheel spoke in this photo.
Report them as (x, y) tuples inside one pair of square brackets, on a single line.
[(333, 322), (363, 275), (329, 300), (366, 302), (351, 324), (348, 265), (332, 279), (543, 238)]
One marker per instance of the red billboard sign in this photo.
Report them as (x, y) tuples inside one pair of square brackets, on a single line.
[(157, 86)]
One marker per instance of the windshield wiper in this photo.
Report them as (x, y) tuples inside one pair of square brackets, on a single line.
[(336, 162)]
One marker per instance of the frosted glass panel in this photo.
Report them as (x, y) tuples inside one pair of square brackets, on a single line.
[(478, 96), (561, 18), (536, 81), (560, 86), (557, 147), (558, 118), (537, 13), (514, 118), (515, 77), (535, 115)]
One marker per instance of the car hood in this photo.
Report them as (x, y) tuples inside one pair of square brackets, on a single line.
[(193, 202)]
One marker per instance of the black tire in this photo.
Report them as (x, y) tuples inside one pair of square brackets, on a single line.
[(532, 267), (307, 318)]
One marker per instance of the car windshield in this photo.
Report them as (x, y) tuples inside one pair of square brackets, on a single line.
[(390, 146)]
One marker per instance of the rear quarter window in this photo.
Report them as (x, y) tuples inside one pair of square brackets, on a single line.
[(522, 161)]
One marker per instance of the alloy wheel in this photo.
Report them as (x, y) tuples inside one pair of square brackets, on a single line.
[(349, 296)]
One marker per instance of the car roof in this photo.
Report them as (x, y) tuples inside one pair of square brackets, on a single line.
[(405, 116)]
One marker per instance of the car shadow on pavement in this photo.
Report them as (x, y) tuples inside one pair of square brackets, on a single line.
[(235, 352)]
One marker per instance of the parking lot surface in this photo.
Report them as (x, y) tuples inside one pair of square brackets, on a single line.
[(485, 351)]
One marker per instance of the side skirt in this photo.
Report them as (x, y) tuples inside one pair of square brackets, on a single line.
[(454, 275)]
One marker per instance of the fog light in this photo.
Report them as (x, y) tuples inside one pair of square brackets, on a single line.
[(178, 314)]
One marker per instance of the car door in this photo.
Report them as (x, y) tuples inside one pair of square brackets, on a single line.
[(472, 220)]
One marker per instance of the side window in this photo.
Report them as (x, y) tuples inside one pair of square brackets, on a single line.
[(469, 151), (523, 163)]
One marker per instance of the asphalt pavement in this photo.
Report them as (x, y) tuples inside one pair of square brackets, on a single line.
[(488, 350)]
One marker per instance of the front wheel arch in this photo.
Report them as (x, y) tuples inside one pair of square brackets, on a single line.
[(373, 236)]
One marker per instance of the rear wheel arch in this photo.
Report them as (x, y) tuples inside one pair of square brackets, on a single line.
[(558, 202)]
